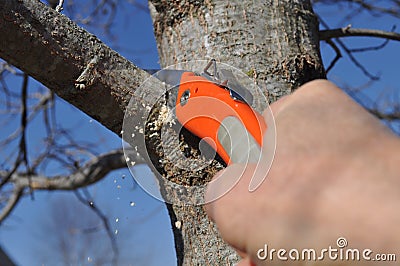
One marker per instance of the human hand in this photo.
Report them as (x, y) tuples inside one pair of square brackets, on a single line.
[(336, 173)]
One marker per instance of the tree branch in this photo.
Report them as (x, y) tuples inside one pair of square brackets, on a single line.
[(11, 203), (79, 67), (345, 48), (348, 32), (90, 173), (337, 57), (93, 171), (356, 7)]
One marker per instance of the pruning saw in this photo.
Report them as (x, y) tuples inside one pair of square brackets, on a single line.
[(217, 108)]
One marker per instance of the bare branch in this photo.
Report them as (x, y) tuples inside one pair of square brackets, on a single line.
[(348, 32), (34, 112), (370, 48), (392, 9), (375, 8), (23, 148), (337, 57), (11, 202), (93, 171), (348, 51), (88, 202)]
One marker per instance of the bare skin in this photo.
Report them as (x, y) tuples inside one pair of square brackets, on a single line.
[(336, 174)]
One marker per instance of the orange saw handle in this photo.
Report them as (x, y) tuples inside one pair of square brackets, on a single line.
[(229, 125)]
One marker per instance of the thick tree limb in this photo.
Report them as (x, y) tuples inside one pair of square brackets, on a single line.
[(78, 67), (348, 31), (68, 60)]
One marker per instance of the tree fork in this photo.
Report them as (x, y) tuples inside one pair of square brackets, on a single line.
[(275, 42)]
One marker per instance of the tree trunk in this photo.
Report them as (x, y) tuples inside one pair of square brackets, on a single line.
[(276, 42)]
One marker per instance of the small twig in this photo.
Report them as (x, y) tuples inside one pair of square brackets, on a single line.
[(34, 112), (88, 202), (377, 10), (342, 33), (348, 31), (388, 7), (355, 61), (11, 203), (337, 57), (23, 152), (4, 178), (371, 48)]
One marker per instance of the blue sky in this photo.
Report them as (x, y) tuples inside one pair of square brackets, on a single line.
[(139, 222)]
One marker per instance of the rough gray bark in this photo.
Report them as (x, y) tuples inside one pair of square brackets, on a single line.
[(276, 42), (68, 60)]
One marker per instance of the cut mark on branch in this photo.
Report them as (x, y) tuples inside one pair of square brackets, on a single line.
[(88, 75), (59, 7)]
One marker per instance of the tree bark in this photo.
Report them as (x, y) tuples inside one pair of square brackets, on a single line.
[(68, 60), (275, 42)]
